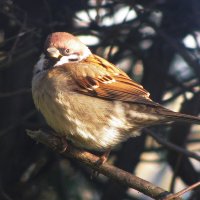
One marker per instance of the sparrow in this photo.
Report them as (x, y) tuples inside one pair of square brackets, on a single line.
[(88, 100)]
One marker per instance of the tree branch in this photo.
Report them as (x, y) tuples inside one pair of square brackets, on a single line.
[(88, 159), (180, 193)]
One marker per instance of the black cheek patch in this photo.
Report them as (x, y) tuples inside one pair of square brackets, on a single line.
[(73, 59)]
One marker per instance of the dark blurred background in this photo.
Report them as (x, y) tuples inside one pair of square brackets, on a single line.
[(157, 42)]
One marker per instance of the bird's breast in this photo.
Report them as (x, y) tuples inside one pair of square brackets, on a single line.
[(88, 122)]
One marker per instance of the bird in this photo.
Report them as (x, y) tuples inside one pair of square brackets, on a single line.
[(89, 101)]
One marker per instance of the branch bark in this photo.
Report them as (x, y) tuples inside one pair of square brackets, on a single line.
[(88, 159)]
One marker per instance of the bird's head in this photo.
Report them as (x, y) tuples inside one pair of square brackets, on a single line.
[(61, 48), (65, 48)]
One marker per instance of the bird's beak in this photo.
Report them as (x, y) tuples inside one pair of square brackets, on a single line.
[(53, 52)]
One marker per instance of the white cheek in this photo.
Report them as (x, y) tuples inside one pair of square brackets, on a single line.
[(68, 59), (63, 60), (74, 57)]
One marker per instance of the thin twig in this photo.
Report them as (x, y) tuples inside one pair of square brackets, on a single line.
[(98, 14), (172, 146), (14, 93), (14, 46), (22, 56), (27, 31), (177, 166), (17, 123), (179, 48), (178, 194), (176, 45), (106, 169)]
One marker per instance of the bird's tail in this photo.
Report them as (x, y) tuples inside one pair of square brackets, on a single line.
[(175, 116)]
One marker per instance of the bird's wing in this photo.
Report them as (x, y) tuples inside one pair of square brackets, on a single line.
[(99, 78)]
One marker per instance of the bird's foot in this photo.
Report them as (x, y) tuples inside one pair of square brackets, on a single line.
[(64, 144), (102, 159)]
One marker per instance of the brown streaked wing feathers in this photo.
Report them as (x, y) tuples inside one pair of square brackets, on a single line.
[(99, 78)]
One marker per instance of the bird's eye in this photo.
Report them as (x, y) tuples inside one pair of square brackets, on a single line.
[(67, 50)]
